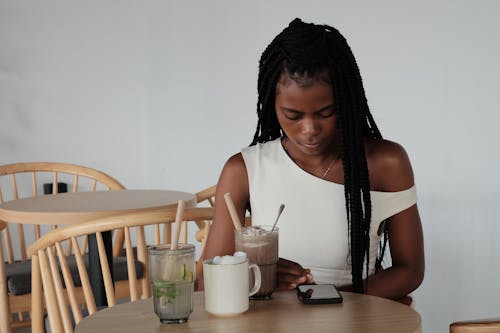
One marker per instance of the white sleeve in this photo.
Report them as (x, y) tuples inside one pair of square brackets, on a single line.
[(387, 204)]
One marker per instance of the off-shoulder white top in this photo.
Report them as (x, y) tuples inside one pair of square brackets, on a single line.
[(313, 228)]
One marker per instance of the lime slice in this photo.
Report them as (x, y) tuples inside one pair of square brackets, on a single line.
[(188, 276)]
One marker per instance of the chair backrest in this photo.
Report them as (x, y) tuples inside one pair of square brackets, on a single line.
[(476, 326), (20, 180), (202, 197), (44, 262), (207, 195)]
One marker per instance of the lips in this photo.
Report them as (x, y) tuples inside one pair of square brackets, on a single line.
[(312, 146)]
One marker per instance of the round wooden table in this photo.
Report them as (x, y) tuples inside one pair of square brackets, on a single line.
[(76, 207), (283, 313)]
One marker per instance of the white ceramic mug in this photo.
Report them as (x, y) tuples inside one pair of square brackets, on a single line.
[(226, 287)]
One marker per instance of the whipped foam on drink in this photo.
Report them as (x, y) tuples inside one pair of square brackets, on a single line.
[(254, 231)]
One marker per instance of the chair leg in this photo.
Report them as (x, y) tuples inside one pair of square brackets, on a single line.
[(4, 296), (4, 310), (36, 297)]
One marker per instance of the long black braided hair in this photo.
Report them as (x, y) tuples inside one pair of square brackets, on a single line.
[(308, 50)]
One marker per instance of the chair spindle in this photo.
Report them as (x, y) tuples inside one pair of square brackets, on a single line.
[(167, 232), (142, 256), (50, 294), (61, 301), (34, 190), (54, 183), (36, 297), (75, 183), (184, 231), (106, 274), (132, 274), (157, 234), (68, 281), (84, 277)]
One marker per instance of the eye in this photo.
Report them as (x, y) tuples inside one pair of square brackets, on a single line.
[(292, 115), (327, 113)]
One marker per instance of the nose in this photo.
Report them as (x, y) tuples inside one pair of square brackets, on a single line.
[(310, 127)]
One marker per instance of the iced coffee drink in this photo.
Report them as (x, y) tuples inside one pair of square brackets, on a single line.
[(261, 247)]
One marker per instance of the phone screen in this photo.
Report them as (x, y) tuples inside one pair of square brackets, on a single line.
[(319, 293)]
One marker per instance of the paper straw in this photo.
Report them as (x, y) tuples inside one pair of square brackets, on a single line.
[(177, 226), (232, 211)]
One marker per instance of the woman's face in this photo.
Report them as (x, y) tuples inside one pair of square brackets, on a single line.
[(307, 115)]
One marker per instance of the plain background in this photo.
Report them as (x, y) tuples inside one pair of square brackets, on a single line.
[(160, 93)]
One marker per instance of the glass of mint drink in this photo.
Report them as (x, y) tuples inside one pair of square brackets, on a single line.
[(172, 280)]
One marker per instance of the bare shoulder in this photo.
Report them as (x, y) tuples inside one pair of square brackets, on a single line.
[(234, 178), (389, 166), (235, 166)]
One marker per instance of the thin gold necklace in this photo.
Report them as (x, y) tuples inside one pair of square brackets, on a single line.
[(330, 166), (327, 169)]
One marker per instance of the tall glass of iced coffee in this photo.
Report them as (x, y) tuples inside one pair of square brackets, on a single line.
[(261, 247)]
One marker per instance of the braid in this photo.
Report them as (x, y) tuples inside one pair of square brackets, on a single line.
[(306, 50), (269, 71)]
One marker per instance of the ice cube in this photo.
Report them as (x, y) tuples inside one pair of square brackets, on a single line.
[(216, 260), (240, 254), (240, 259), (231, 260), (226, 260)]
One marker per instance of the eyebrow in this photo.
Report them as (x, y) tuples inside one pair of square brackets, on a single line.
[(297, 111)]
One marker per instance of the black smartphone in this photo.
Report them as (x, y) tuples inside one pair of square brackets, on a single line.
[(319, 294)]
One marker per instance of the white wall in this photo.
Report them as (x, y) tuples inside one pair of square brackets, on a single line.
[(160, 93)]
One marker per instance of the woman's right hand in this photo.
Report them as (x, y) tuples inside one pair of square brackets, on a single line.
[(290, 274)]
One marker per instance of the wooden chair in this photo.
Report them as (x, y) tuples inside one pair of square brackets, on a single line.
[(476, 326), (46, 274), (24, 179)]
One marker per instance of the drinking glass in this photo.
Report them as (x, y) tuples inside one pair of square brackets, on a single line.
[(172, 280), (261, 247)]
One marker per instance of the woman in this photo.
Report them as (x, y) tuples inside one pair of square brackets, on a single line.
[(318, 150)]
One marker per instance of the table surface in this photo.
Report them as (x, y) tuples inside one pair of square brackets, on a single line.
[(284, 313), (76, 207)]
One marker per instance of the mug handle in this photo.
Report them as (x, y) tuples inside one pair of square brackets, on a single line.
[(257, 279)]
